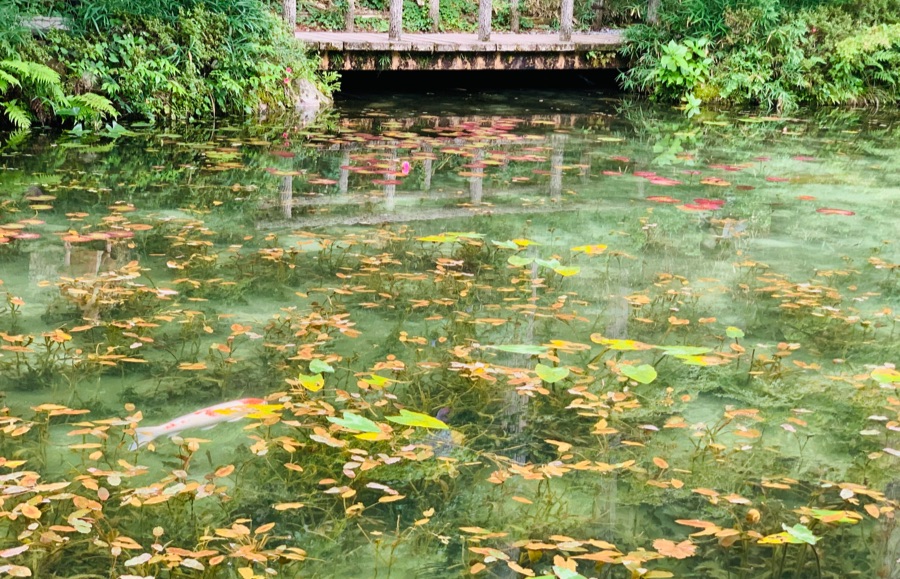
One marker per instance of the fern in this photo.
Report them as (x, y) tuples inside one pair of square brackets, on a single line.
[(17, 115), (7, 80), (32, 72), (95, 104)]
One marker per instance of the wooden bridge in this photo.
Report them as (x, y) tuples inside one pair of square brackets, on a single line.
[(351, 50)]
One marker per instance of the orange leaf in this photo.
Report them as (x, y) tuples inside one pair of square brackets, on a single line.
[(668, 548)]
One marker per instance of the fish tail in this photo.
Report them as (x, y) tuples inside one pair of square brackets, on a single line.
[(142, 437)]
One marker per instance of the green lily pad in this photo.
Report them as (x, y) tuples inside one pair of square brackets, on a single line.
[(356, 422), (528, 349), (684, 350), (567, 271), (734, 332), (550, 374), (645, 373), (801, 533), (506, 244), (318, 366), (417, 419), (519, 261), (886, 375), (312, 383)]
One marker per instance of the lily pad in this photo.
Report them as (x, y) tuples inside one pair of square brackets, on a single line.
[(645, 373), (519, 261), (352, 421), (318, 366), (734, 332), (417, 419), (528, 349), (312, 383), (550, 374)]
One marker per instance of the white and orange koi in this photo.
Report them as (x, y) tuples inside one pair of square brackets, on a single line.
[(205, 418)]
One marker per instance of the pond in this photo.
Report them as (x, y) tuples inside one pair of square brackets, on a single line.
[(502, 335)]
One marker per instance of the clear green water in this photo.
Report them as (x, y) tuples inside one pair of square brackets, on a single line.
[(230, 261)]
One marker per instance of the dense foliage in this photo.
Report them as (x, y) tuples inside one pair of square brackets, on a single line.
[(776, 53), (177, 60)]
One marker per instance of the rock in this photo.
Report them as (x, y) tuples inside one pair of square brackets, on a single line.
[(306, 95), (45, 23), (307, 100)]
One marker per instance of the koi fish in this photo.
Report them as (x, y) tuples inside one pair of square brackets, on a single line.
[(203, 418)]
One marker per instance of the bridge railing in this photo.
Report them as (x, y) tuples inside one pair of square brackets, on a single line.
[(485, 13)]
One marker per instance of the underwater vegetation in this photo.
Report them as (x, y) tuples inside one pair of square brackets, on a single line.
[(458, 345)]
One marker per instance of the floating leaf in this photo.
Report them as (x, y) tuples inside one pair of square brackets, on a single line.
[(684, 350), (702, 360), (519, 261), (287, 506), (442, 238), (318, 366), (801, 533), (567, 271), (840, 517), (681, 550), (352, 421), (734, 332), (550, 374), (620, 345), (551, 263), (139, 560), (311, 383), (506, 244), (563, 573), (590, 249), (886, 375), (645, 373), (417, 419), (528, 349)]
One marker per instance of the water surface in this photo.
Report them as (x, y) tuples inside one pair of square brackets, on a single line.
[(667, 346)]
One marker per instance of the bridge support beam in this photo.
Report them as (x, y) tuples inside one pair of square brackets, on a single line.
[(395, 26)]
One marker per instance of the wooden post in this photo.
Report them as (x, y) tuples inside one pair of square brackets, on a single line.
[(599, 14), (653, 11), (350, 17), (476, 181), (344, 179), (395, 26), (289, 11), (390, 190), (557, 158), (566, 13), (434, 12), (484, 20), (286, 194), (428, 169), (514, 16)]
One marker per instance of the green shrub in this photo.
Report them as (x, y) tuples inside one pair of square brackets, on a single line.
[(779, 54), (178, 59)]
